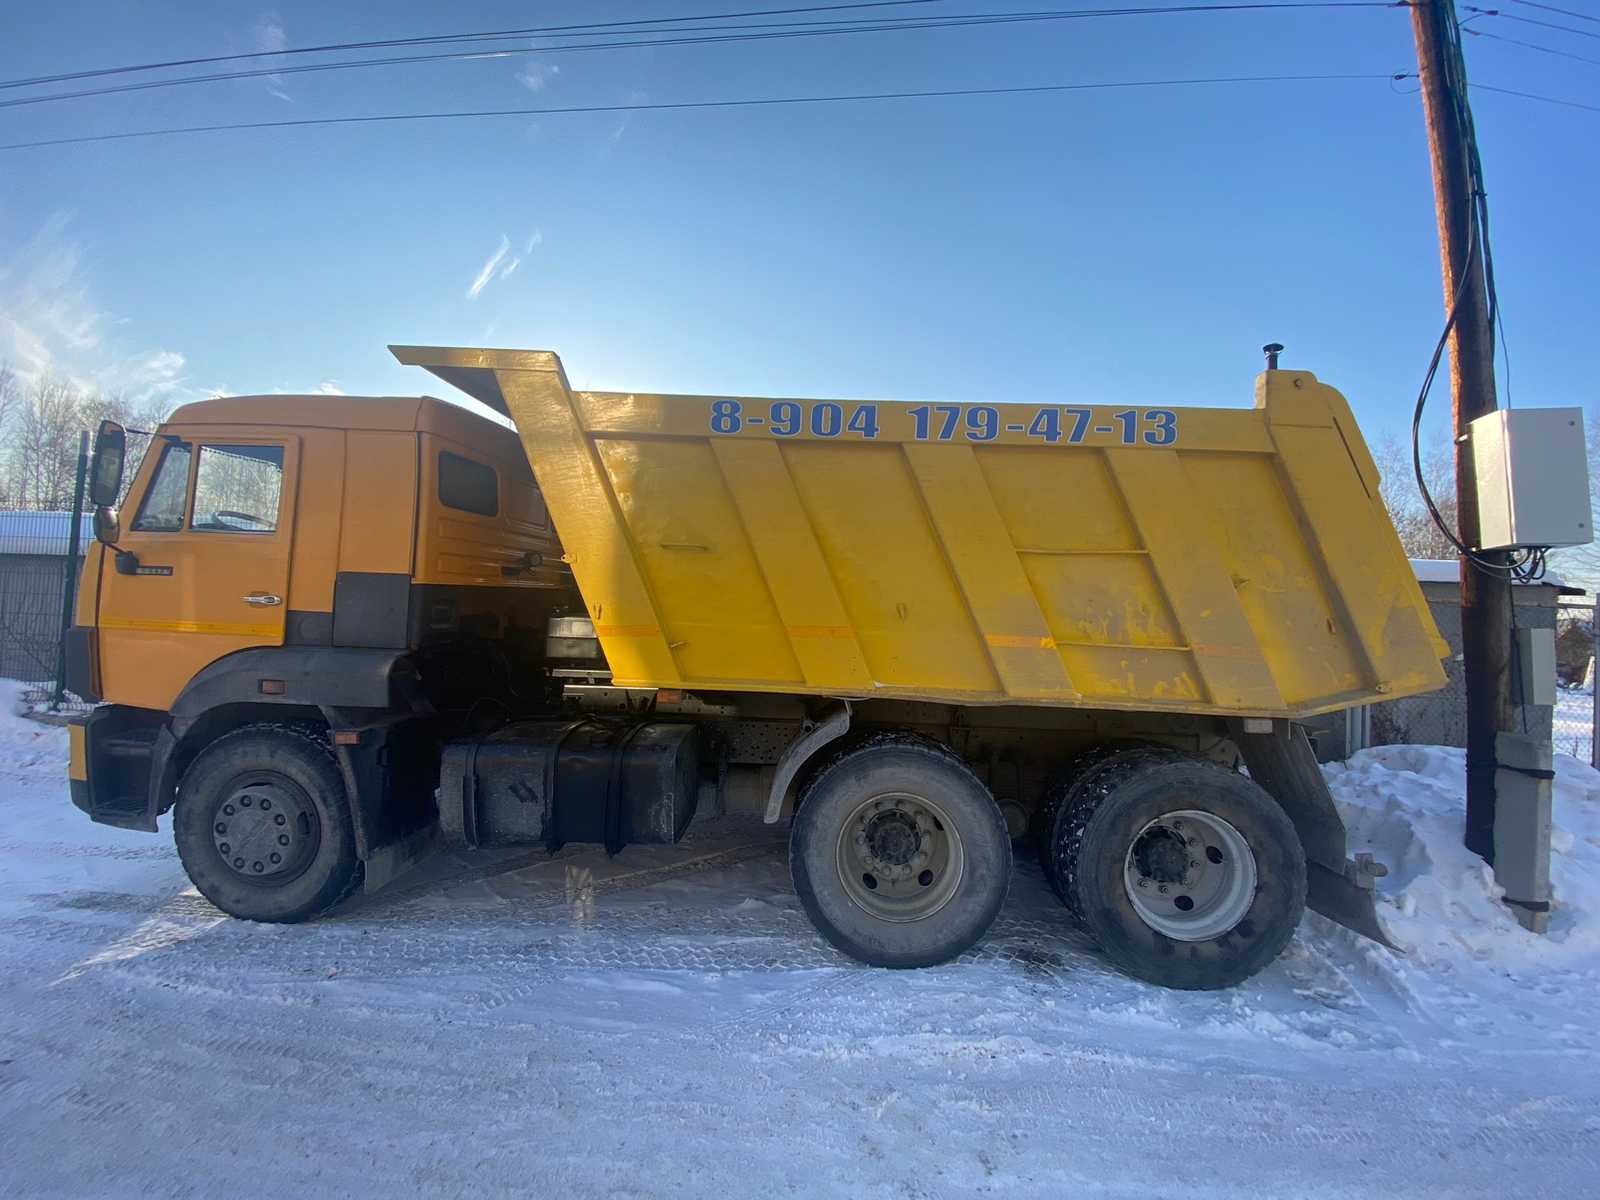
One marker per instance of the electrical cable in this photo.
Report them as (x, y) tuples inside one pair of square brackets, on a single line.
[(1484, 87), (1484, 33), (1565, 12), (690, 105), (712, 35), (1505, 16), (440, 39)]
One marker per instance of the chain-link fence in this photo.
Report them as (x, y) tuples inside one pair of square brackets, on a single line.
[(1574, 725)]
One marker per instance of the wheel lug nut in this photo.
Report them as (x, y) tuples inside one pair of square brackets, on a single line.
[(246, 801), (266, 804), (221, 828), (225, 848), (228, 809), (283, 839), (258, 866), (277, 858), (239, 863), (280, 819)]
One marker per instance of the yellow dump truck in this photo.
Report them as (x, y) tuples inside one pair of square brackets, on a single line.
[(335, 633)]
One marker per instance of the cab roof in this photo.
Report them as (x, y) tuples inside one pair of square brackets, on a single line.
[(423, 414)]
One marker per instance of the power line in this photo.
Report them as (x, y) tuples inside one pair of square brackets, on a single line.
[(1484, 87), (1529, 45), (690, 104), (1565, 12), (1505, 16), (714, 35), (548, 31)]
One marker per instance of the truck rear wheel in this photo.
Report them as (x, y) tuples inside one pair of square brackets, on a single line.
[(1062, 796), (899, 853), (263, 826), (1186, 873)]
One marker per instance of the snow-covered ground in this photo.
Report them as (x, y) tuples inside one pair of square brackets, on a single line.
[(667, 1024)]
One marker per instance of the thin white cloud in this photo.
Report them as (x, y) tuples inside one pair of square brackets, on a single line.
[(501, 264), (537, 76), (268, 35), (327, 389), (485, 275), (50, 324), (523, 257)]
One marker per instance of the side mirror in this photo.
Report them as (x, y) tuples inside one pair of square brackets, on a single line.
[(105, 472), (107, 526)]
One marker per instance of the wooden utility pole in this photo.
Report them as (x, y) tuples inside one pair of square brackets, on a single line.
[(1485, 597)]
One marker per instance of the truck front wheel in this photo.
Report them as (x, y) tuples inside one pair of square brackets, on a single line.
[(1188, 874), (899, 853), (263, 826)]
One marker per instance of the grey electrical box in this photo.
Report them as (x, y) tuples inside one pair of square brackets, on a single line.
[(1532, 467), (1536, 666)]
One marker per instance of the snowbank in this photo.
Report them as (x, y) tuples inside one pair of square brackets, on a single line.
[(26, 744), (1439, 903)]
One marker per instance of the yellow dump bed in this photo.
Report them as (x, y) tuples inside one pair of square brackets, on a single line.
[(1198, 560)]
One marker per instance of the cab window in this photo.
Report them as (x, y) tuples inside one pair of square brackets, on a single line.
[(468, 486), (237, 488), (161, 511)]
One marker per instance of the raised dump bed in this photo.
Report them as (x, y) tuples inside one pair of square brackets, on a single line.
[(1230, 562)]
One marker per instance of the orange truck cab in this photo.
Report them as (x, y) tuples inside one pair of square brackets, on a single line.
[(331, 562)]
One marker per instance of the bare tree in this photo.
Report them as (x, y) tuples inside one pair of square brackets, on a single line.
[(1580, 565), (36, 451), (1419, 533), (40, 428), (10, 394)]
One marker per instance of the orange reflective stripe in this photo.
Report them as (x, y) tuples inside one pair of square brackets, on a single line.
[(263, 631), (1010, 641)]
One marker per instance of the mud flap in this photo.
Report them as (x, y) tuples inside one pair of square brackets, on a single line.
[(1344, 903), (1341, 889)]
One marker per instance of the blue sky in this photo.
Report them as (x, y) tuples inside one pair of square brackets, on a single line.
[(1134, 245)]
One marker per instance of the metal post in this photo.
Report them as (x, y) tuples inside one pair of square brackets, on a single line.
[(70, 583), (1594, 693), (1485, 599)]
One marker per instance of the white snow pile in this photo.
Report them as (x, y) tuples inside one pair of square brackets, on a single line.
[(23, 743), (1440, 903)]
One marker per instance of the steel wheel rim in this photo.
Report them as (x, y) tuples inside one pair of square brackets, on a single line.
[(265, 829), (1190, 875), (899, 857)]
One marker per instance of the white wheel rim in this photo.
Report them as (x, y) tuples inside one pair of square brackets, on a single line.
[(899, 857), (1190, 875)]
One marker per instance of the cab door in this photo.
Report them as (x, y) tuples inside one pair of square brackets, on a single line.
[(202, 567)]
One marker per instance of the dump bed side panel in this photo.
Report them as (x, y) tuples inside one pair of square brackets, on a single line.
[(1228, 561)]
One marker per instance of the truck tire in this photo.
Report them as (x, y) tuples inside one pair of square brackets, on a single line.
[(1186, 873), (263, 825), (1061, 797), (899, 853)]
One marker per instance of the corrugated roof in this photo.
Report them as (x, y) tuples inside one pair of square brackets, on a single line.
[(42, 532)]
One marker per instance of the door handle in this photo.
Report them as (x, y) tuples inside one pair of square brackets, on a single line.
[(263, 600)]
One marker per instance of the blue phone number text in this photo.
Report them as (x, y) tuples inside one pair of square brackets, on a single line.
[(944, 422)]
